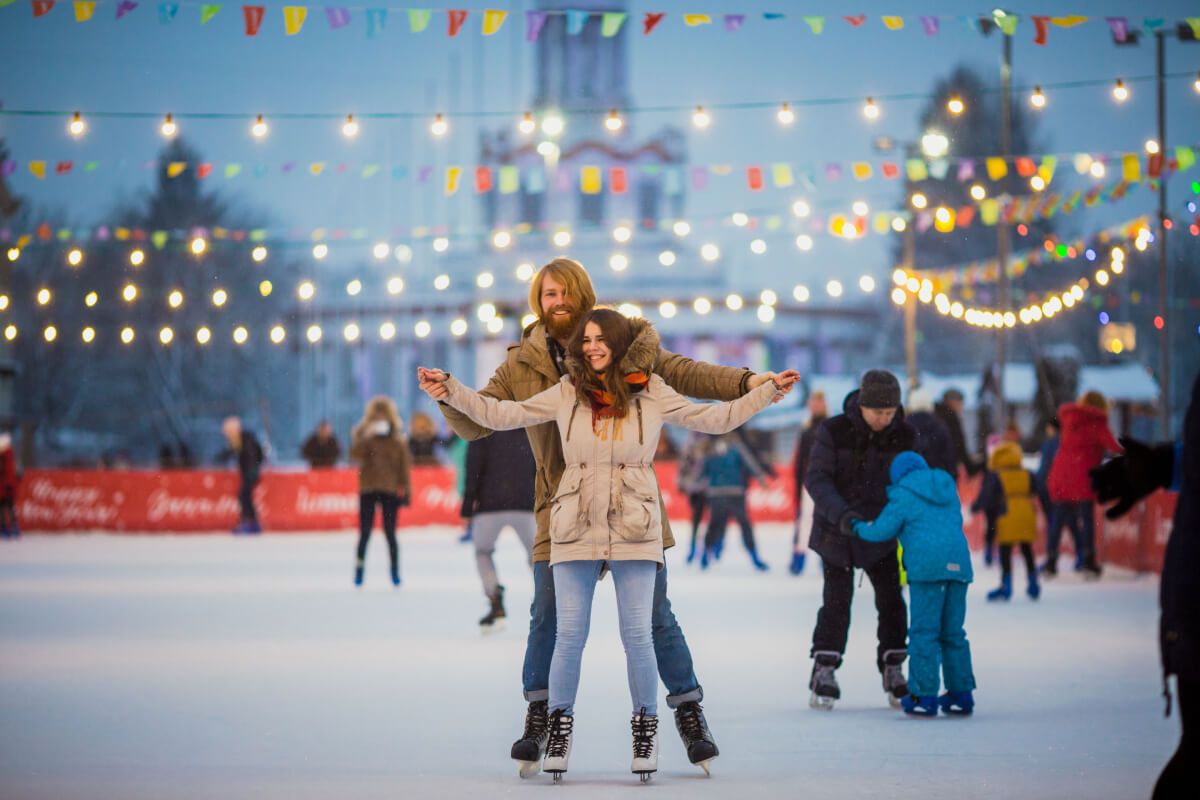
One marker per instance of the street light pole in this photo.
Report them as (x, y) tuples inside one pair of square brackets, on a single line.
[(1164, 304), (1002, 243), (910, 310)]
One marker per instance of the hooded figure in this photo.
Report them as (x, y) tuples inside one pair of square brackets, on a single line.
[(924, 513)]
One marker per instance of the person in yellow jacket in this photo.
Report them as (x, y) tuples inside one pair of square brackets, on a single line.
[(1008, 493)]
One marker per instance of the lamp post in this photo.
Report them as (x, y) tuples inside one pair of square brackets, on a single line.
[(1002, 232)]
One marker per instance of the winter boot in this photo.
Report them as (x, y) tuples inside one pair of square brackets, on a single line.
[(959, 703), (894, 684), (530, 748), (645, 744), (558, 745), (1034, 590), (919, 706), (697, 738), (1003, 591), (758, 563), (797, 565), (494, 619), (358, 572), (823, 682)]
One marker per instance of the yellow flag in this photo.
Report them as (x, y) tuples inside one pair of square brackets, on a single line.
[(881, 222), (84, 9), (317, 167), (861, 169), (989, 211), (1131, 167), (176, 168), (893, 23), (589, 180), (918, 170), (782, 174), (692, 20), (1069, 22), (997, 168), (293, 19), (492, 20), (38, 168), (452, 176), (510, 179), (122, 234)]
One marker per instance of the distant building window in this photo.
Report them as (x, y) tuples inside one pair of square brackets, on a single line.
[(591, 209), (649, 194), (533, 207)]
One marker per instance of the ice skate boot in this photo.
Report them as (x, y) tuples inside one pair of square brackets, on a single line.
[(358, 573), (697, 738), (1091, 570), (1050, 568), (957, 703), (894, 684), (797, 566), (558, 746), (919, 706), (823, 682), (1002, 592), (530, 748), (758, 563), (395, 576), (1034, 590), (494, 620), (645, 745)]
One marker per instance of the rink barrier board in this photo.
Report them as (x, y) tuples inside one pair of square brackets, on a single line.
[(205, 501)]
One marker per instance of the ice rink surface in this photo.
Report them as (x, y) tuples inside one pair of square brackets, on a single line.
[(218, 667)]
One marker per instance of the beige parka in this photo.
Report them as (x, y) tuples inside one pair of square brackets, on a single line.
[(607, 503)]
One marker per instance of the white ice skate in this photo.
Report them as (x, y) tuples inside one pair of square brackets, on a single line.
[(645, 745), (558, 748), (821, 702)]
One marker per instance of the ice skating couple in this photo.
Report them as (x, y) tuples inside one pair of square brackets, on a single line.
[(871, 487), (593, 389)]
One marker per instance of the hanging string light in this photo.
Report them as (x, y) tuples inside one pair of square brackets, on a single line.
[(785, 115), (1038, 98), (870, 109), (613, 122), (168, 128), (1119, 92), (700, 118), (955, 105), (527, 125), (349, 127), (439, 127), (77, 127), (259, 128)]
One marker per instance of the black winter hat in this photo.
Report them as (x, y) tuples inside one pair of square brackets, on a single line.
[(879, 389)]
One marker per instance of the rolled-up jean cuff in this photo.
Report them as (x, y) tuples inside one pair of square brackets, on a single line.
[(540, 694), (676, 700)]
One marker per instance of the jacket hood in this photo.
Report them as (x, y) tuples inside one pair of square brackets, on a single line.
[(931, 485), (904, 463), (1007, 455), (641, 355), (1076, 415)]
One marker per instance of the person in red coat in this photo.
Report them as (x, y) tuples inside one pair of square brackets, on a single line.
[(1083, 443), (8, 489)]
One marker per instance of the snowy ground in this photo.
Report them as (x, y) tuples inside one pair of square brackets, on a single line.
[(215, 667)]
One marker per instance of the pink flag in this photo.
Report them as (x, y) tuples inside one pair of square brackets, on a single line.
[(534, 22), (1119, 27), (124, 7)]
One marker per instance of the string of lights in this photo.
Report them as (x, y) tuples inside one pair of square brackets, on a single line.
[(553, 123)]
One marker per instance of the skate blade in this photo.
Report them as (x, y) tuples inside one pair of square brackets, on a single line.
[(704, 766), (557, 773), (529, 768), (894, 701), (495, 627), (820, 703), (645, 775)]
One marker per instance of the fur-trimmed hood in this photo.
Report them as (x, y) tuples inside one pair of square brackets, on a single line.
[(641, 356)]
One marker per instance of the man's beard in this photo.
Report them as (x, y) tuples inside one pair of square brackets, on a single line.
[(561, 328)]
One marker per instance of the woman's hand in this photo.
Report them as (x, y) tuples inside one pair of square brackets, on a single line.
[(785, 380), (433, 383)]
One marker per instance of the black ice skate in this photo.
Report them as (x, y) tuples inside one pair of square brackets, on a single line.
[(697, 739), (530, 748), (823, 682), (645, 745), (494, 620), (894, 684), (558, 747)]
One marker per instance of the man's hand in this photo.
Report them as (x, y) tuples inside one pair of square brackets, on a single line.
[(433, 383), (1130, 477), (784, 381), (846, 523)]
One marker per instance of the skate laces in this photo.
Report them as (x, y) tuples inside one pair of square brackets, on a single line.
[(690, 722), (893, 676), (535, 723), (644, 729), (560, 733)]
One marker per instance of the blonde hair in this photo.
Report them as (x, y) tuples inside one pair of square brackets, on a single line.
[(422, 424), (382, 407), (1093, 399), (572, 276)]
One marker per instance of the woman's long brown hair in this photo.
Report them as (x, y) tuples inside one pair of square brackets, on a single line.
[(618, 335)]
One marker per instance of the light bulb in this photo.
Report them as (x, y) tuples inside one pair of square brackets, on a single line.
[(14, 253), (613, 121), (553, 124), (240, 334), (1120, 93), (175, 298), (320, 250), (199, 245), (395, 285), (734, 302), (127, 335), (381, 250), (681, 228), (919, 200), (978, 192), (710, 252), (785, 115), (526, 125), (278, 334), (169, 128), (77, 127), (1097, 169), (166, 335), (459, 327), (501, 239), (349, 127), (129, 293), (485, 280), (667, 309), (439, 126), (666, 258), (259, 128), (859, 208), (313, 334), (1037, 99), (387, 331), (219, 297), (618, 262), (203, 335), (75, 257), (1152, 147), (700, 118), (88, 334), (50, 333), (955, 105), (441, 244), (137, 257), (259, 254), (870, 109), (1037, 183)]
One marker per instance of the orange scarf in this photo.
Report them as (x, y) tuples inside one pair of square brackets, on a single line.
[(602, 401)]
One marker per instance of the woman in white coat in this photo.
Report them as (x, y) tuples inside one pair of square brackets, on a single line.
[(610, 410)]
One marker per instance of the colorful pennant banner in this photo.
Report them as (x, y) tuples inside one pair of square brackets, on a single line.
[(491, 20)]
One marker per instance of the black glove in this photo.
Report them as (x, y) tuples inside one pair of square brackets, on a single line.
[(1130, 477), (846, 523)]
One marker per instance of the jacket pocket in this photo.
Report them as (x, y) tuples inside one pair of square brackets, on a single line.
[(568, 520), (639, 518)]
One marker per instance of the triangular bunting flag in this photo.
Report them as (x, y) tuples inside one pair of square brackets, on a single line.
[(781, 175), (648, 23), (483, 179), (893, 23), (455, 17), (1041, 26), (930, 24), (1069, 21), (376, 21), (338, 17), (167, 12), (124, 7), (575, 22), (208, 11), (611, 22), (418, 19), (692, 20), (253, 16), (618, 181), (817, 24), (492, 20), (997, 168), (1119, 27), (232, 170), (861, 170), (40, 9), (293, 19), (510, 179), (534, 22), (452, 176), (734, 21), (856, 21), (589, 180), (754, 178)]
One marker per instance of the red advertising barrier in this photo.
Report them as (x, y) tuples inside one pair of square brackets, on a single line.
[(182, 501)]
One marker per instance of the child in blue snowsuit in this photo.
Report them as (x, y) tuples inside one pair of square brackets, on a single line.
[(924, 513)]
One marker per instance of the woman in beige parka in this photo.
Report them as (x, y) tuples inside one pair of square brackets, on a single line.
[(606, 512)]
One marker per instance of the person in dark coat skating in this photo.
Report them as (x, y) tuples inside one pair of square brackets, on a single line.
[(933, 441), (848, 480), (321, 449), (949, 411), (1126, 480), (244, 446), (818, 412)]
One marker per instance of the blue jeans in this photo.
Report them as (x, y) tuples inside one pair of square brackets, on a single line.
[(936, 636), (574, 588), (670, 647)]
